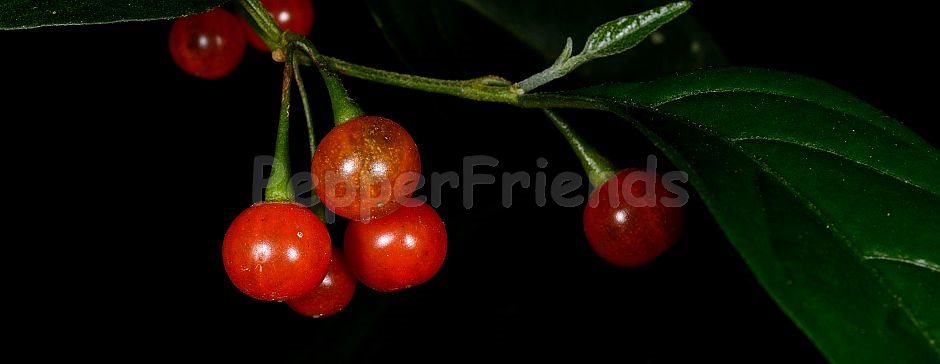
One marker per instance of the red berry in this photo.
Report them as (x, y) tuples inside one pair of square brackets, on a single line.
[(291, 15), (332, 295), (208, 45), (628, 226), (364, 168), (398, 251), (276, 251)]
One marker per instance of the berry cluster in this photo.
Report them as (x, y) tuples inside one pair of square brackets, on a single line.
[(280, 251), (366, 170)]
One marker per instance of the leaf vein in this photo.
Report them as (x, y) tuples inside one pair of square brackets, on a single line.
[(834, 153), (920, 263), (727, 90)]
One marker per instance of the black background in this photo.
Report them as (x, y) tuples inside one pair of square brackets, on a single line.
[(134, 171)]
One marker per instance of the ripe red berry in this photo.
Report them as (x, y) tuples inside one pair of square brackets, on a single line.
[(276, 251), (208, 45), (331, 295), (291, 15), (398, 251), (365, 167), (627, 225)]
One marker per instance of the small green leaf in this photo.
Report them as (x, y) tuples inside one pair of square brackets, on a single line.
[(608, 39), (456, 37), (23, 14), (832, 204), (626, 32)]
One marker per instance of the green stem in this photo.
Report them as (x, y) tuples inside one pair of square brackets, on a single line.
[(344, 108), (303, 99), (598, 168), (279, 188), (487, 88), (262, 22), (493, 89)]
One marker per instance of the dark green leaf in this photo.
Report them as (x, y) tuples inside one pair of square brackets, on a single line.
[(427, 32), (21, 14), (833, 205)]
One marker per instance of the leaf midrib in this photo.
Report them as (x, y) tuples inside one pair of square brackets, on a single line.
[(840, 156), (925, 264), (770, 92), (669, 99)]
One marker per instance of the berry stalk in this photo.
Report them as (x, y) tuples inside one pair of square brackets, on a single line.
[(279, 188), (262, 22), (344, 108), (308, 116), (598, 168)]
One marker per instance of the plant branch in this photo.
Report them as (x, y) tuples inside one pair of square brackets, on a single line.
[(487, 88)]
